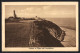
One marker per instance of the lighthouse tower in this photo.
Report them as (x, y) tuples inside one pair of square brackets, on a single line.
[(15, 14)]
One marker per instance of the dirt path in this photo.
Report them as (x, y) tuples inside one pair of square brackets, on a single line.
[(70, 38)]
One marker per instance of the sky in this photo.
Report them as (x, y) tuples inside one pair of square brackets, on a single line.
[(43, 11)]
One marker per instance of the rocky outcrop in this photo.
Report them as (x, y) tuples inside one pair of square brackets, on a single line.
[(49, 34)]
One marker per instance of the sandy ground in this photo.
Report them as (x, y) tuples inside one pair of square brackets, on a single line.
[(70, 38)]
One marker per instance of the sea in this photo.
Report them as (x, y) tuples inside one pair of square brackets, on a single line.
[(64, 22)]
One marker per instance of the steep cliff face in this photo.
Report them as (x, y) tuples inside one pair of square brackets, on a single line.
[(52, 27), (44, 37)]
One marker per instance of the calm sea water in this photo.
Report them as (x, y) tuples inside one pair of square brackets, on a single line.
[(68, 22)]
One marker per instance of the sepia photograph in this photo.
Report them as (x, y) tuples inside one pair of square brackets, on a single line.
[(40, 26)]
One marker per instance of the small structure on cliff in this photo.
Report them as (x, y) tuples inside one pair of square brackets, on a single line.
[(38, 18)]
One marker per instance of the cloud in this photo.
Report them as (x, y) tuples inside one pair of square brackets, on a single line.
[(41, 11)]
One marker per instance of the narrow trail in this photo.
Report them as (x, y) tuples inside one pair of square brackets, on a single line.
[(31, 34), (32, 40)]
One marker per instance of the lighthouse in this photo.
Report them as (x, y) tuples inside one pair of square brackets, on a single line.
[(14, 14)]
